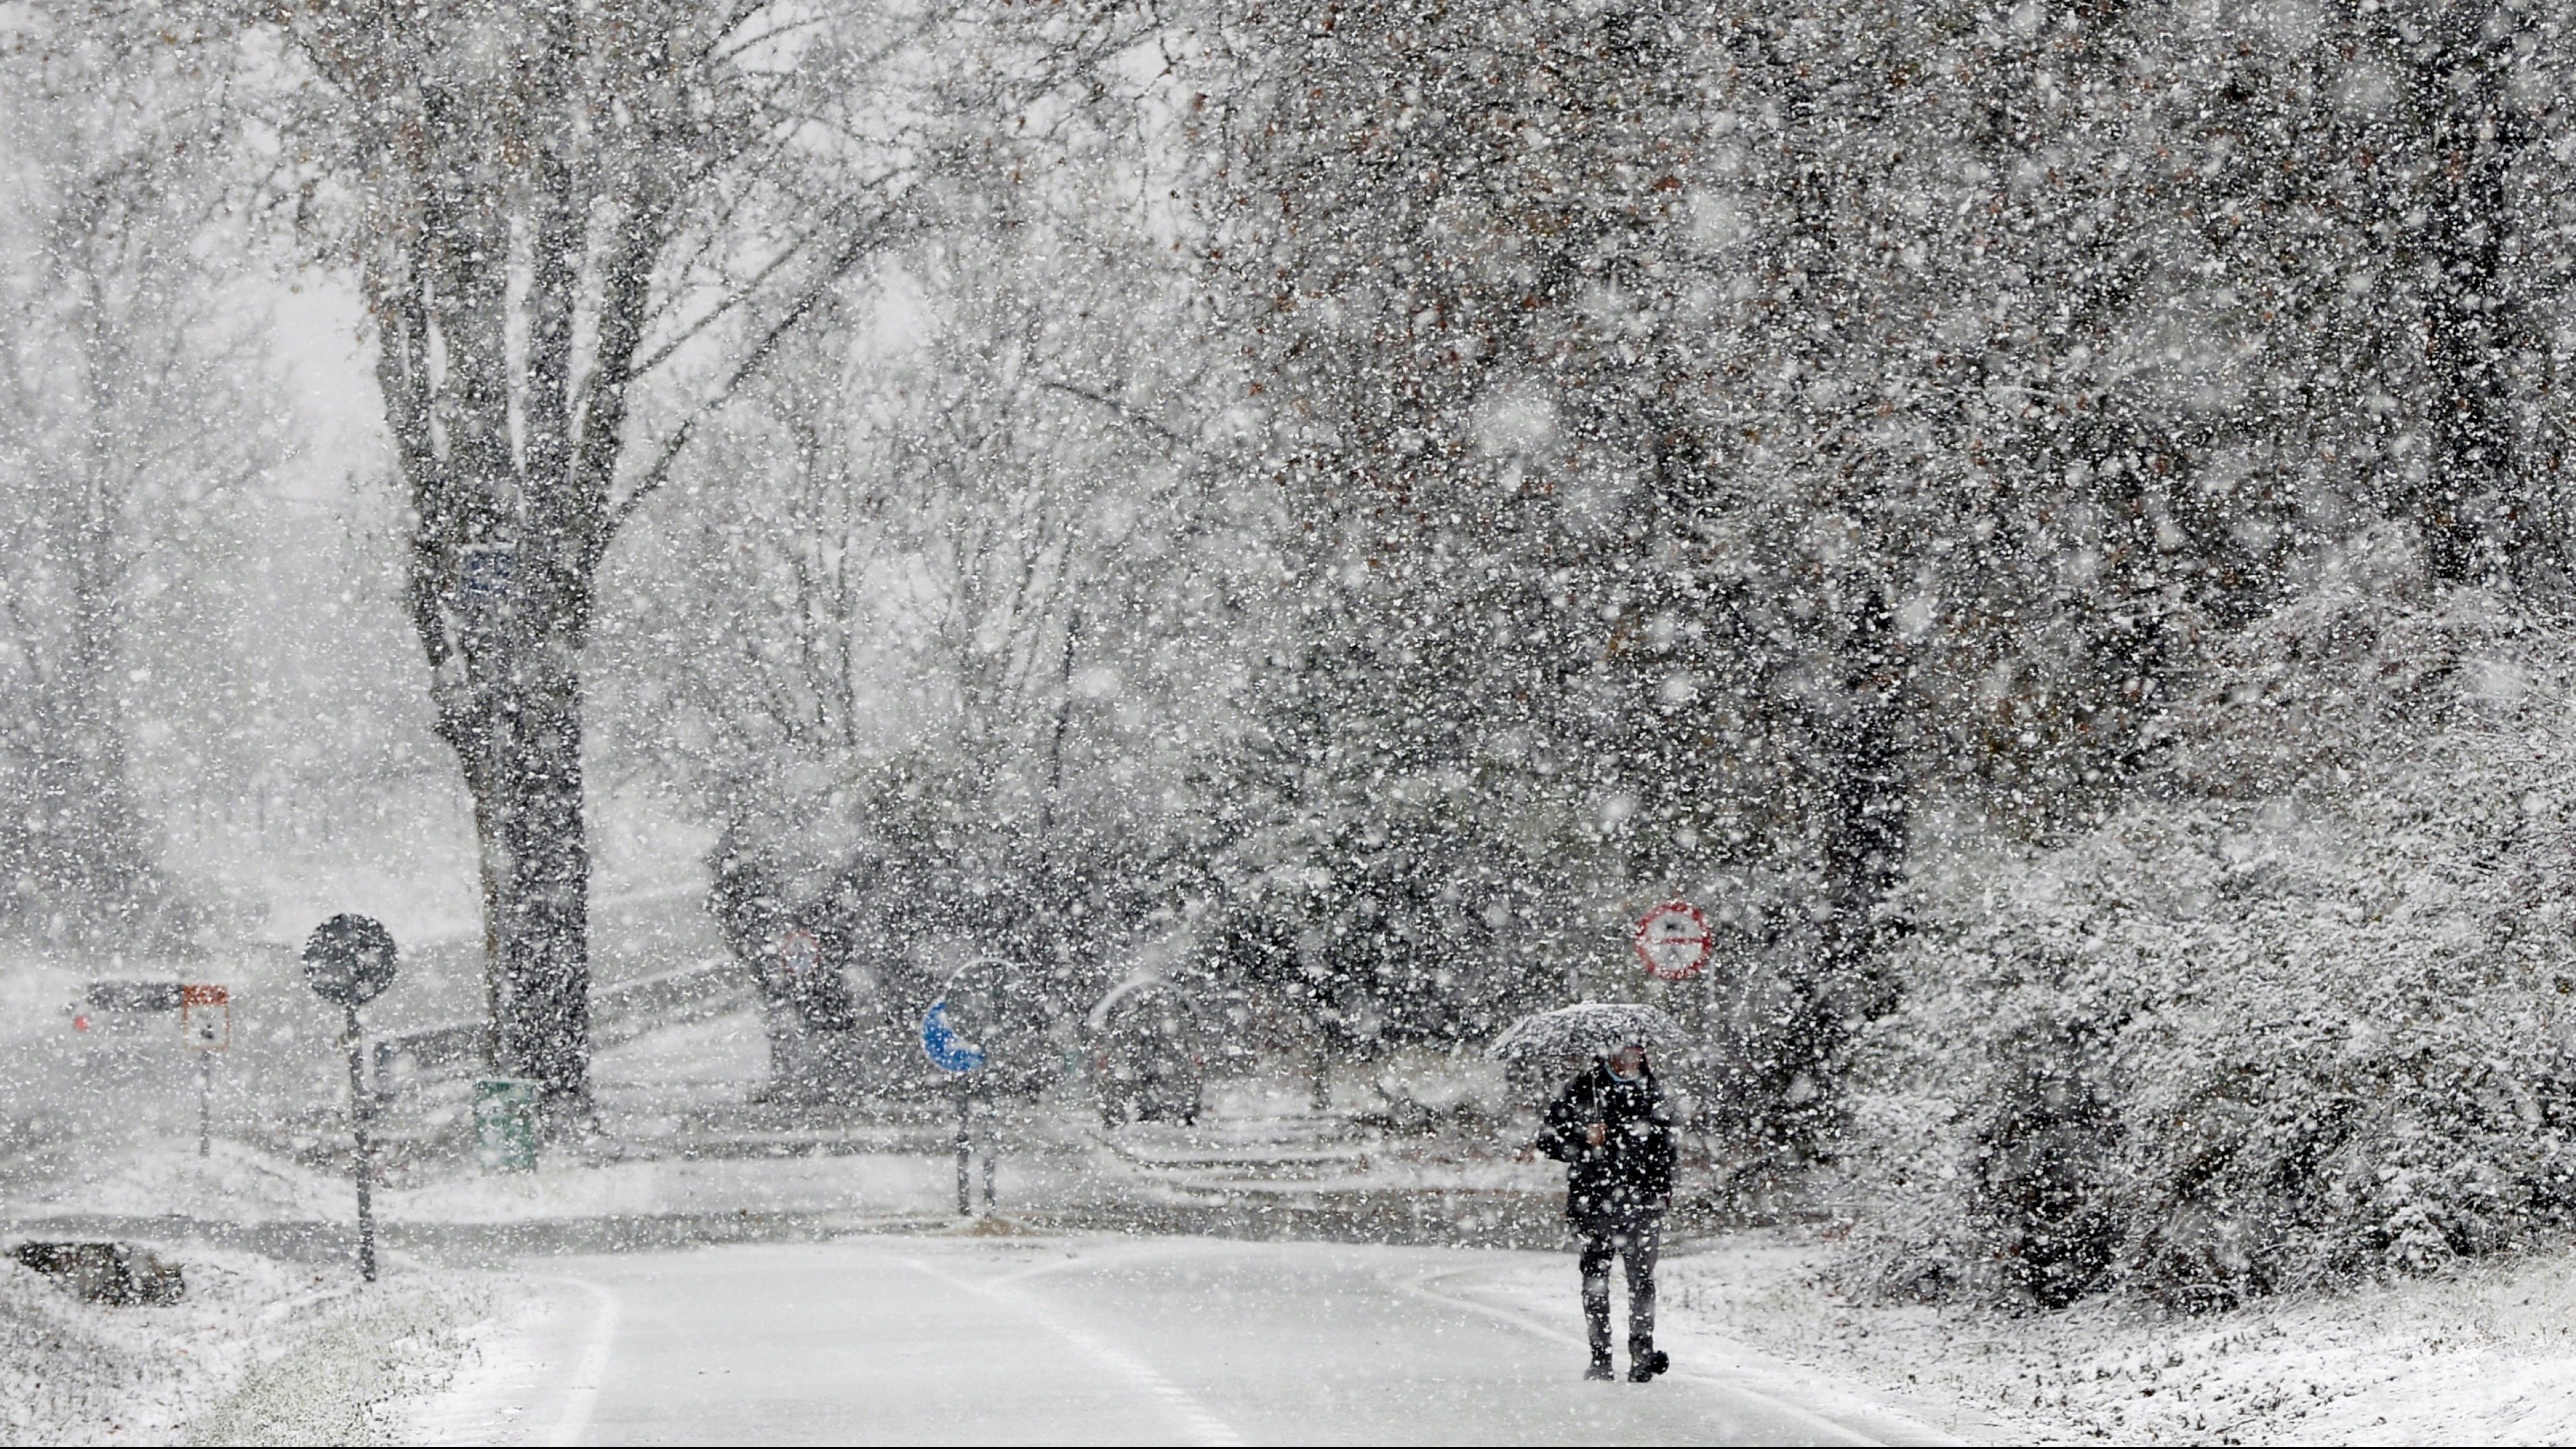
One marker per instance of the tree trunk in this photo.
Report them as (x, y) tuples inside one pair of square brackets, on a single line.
[(536, 874), (504, 542), (1868, 808), (500, 617), (2469, 511), (523, 171), (1864, 850)]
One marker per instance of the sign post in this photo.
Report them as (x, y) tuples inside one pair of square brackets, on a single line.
[(1673, 941), (949, 1049), (965, 1147), (953, 1054), (349, 960), (206, 1027)]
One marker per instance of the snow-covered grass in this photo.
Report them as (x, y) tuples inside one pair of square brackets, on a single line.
[(350, 1374), (258, 1350), (402, 850), (2483, 1352), (235, 1184), (82, 1373)]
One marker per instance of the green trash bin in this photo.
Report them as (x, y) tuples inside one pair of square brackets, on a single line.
[(505, 1124)]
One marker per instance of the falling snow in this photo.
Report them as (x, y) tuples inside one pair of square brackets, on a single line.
[(1008, 655)]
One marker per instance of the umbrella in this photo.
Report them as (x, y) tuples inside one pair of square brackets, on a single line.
[(1580, 1031)]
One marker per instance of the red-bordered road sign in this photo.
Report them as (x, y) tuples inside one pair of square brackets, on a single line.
[(1673, 941), (206, 1018), (799, 953)]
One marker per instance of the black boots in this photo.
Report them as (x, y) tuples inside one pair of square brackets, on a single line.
[(1644, 1362)]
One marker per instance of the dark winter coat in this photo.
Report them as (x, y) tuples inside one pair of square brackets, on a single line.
[(1629, 1177)]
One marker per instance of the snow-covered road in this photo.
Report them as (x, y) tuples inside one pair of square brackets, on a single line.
[(916, 1339)]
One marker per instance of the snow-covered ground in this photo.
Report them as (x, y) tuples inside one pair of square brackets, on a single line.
[(259, 1350), (2482, 1354), (1011, 1338), (280, 1349), (480, 1314)]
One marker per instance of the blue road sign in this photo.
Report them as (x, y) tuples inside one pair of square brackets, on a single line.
[(939, 1041), (485, 569)]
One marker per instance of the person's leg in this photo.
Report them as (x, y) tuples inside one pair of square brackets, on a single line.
[(1638, 1252), (1596, 1300)]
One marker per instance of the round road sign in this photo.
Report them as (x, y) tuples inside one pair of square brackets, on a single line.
[(967, 1024), (1673, 941), (940, 1042), (799, 952), (349, 959)]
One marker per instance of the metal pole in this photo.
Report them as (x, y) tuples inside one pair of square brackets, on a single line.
[(360, 1109), (205, 1103), (965, 1200), (1707, 1093), (988, 1154)]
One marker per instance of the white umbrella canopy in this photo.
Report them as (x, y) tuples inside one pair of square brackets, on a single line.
[(1576, 1031)]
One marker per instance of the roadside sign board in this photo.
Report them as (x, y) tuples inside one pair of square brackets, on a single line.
[(484, 569), (799, 953), (206, 1018), (941, 1042), (349, 960), (1673, 941), (972, 1021)]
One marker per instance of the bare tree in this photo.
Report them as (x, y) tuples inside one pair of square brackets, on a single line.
[(554, 210), (967, 559), (123, 389)]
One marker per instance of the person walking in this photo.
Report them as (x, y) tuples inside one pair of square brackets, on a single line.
[(1613, 1133)]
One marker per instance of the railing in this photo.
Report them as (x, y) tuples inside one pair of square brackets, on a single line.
[(407, 1061)]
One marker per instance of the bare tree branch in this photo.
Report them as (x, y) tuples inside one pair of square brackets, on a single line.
[(740, 295), (659, 470), (1126, 413)]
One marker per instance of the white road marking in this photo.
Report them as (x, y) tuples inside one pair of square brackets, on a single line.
[(583, 1396), (1203, 1424)]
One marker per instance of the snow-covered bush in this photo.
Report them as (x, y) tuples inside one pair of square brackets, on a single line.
[(2304, 1016)]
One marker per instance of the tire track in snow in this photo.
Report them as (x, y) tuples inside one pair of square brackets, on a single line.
[(583, 1397), (1203, 1424)]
